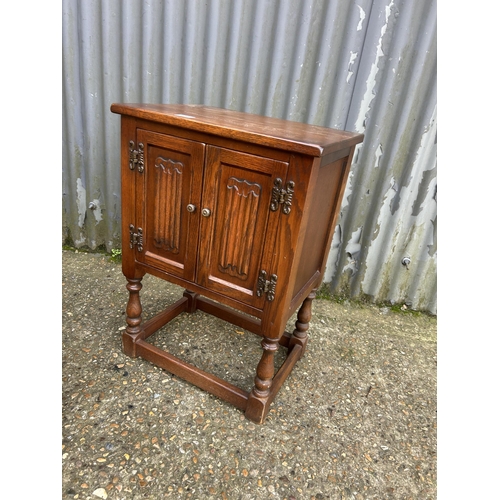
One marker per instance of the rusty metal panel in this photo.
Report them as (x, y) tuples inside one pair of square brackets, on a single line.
[(360, 65)]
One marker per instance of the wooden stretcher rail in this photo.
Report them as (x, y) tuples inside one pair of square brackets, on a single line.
[(210, 383)]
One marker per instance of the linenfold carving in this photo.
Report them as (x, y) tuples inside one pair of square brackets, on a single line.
[(239, 223), (168, 204)]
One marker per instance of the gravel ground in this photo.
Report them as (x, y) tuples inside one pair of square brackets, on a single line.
[(356, 419)]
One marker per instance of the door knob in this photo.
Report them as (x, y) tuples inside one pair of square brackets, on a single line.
[(191, 208), (206, 212)]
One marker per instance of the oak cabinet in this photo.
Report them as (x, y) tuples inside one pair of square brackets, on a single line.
[(239, 210)]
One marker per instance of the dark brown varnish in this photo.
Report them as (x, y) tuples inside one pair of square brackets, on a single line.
[(238, 209)]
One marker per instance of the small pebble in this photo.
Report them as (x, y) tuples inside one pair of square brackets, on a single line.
[(100, 493)]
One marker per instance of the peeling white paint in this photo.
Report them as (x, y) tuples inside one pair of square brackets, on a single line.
[(81, 240), (378, 245), (426, 156), (352, 249), (352, 58), (96, 210), (353, 246), (81, 202), (401, 233), (378, 155), (362, 16), (331, 263), (371, 80)]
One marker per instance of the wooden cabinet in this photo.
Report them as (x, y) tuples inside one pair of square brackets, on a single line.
[(239, 210)]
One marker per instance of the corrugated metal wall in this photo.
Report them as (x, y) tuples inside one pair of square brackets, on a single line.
[(360, 65)]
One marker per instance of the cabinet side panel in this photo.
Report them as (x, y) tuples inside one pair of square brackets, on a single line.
[(327, 190)]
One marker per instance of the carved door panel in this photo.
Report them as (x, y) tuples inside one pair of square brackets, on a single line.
[(170, 190), (237, 227)]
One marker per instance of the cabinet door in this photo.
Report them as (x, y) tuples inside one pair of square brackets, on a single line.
[(238, 233), (170, 190)]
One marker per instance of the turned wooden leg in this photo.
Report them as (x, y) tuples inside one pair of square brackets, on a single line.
[(134, 318), (299, 335), (265, 368), (259, 399)]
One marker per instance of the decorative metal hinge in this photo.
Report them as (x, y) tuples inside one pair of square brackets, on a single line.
[(282, 196), (136, 156), (135, 237), (266, 286)]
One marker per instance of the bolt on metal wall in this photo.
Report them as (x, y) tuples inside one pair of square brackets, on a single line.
[(364, 66)]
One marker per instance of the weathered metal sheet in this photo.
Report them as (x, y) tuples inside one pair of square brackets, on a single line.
[(361, 65), (390, 207)]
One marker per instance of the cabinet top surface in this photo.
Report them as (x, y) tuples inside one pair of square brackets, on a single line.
[(274, 132)]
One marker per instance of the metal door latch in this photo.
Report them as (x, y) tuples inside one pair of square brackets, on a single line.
[(136, 156), (282, 196), (136, 237), (266, 286)]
